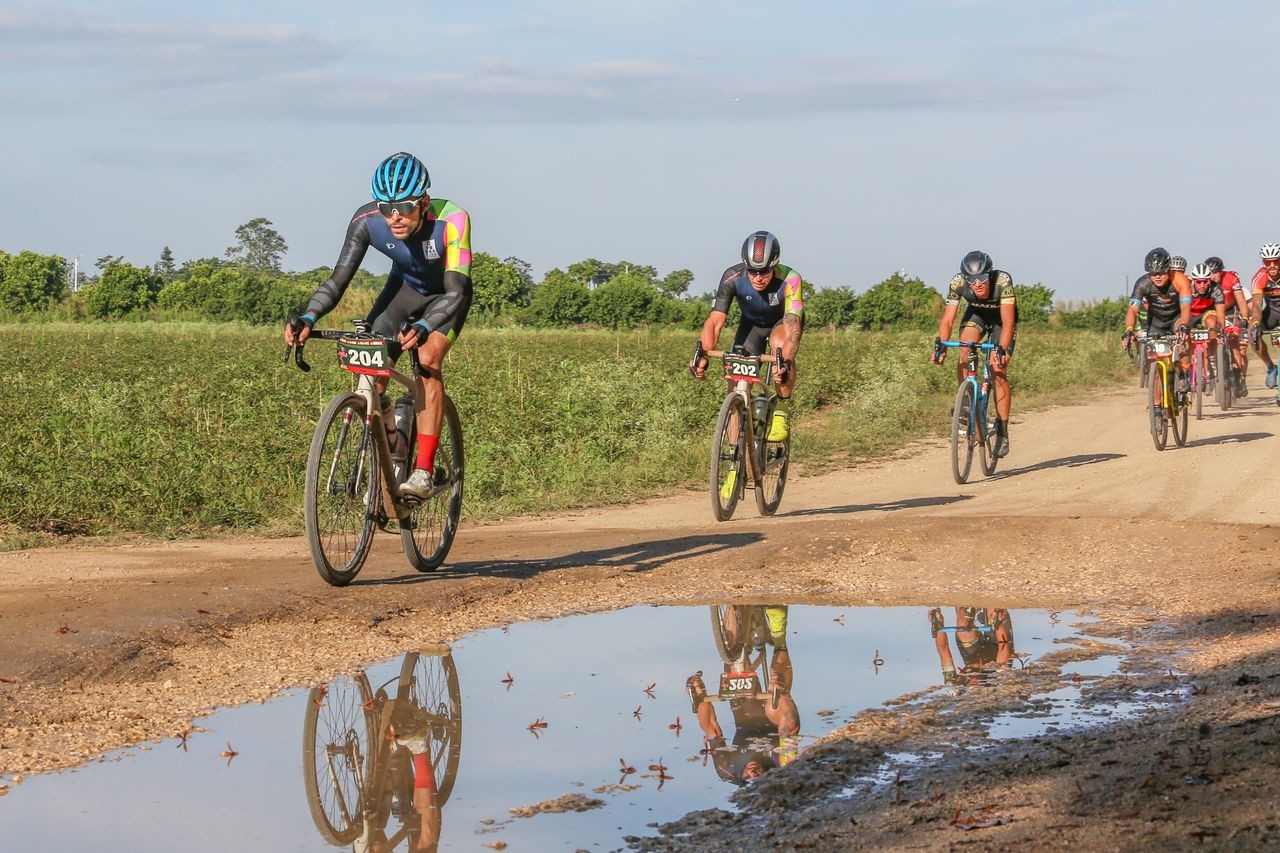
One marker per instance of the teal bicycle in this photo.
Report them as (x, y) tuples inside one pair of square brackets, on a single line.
[(973, 421)]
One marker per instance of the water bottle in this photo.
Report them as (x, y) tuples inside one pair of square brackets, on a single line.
[(404, 421), (761, 408)]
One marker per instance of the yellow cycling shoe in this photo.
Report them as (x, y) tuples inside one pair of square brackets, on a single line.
[(729, 486), (780, 426)]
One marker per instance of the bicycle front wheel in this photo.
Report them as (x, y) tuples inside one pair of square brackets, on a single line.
[(773, 469), (335, 749), (434, 522), (342, 490), (729, 457), (1155, 406), (962, 428)]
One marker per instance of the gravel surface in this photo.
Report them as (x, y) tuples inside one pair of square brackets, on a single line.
[(1173, 552)]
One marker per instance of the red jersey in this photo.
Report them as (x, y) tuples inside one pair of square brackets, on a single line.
[(1270, 290)]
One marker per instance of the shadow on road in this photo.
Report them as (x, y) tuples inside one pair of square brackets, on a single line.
[(1062, 462), (1237, 438), (887, 506), (635, 557)]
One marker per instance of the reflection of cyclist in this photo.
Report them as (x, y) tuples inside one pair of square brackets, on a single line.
[(769, 295), (429, 288), (984, 640), (426, 796), (991, 312), (766, 722)]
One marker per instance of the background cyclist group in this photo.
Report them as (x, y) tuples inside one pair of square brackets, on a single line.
[(1177, 299)]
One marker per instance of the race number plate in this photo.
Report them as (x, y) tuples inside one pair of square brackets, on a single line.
[(1275, 339), (1199, 334), (738, 684), (1159, 347), (361, 355), (741, 367)]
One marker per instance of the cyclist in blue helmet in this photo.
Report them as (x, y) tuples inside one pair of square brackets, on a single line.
[(429, 287)]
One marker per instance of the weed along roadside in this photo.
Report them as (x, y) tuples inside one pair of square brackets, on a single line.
[(186, 429)]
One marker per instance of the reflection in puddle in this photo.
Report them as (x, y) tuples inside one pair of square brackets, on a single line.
[(579, 731)]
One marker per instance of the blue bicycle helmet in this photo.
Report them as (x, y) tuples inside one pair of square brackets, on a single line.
[(399, 177)]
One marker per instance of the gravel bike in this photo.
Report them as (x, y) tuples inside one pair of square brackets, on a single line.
[(973, 420), (1167, 400), (742, 455), (353, 477), (356, 762), (1204, 371)]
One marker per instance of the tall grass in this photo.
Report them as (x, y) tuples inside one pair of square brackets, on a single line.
[(184, 428)]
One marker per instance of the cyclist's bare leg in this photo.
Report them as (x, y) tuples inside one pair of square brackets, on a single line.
[(784, 340), (431, 381), (1004, 397)]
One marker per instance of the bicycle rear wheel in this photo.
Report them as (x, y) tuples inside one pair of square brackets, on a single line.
[(987, 444), (429, 534), (1199, 378), (1178, 418), (1155, 406), (1227, 377), (336, 754), (342, 490), (729, 457), (775, 456), (962, 439), (430, 683)]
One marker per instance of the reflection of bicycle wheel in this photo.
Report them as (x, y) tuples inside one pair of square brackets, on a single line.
[(429, 684), (741, 633), (335, 749)]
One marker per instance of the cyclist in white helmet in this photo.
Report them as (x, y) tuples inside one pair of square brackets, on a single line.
[(1266, 304)]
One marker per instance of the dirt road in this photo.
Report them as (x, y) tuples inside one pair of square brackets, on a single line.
[(105, 646)]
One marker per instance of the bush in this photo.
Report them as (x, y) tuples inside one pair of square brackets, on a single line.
[(898, 301), (29, 282), (1035, 303), (622, 302), (558, 301), (122, 289), (830, 307)]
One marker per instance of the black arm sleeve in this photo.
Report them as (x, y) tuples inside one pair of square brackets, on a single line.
[(457, 296), (726, 293), (330, 291)]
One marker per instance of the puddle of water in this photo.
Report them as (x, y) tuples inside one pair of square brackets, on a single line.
[(319, 768)]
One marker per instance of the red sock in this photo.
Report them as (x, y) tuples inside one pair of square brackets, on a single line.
[(427, 445), (423, 776)]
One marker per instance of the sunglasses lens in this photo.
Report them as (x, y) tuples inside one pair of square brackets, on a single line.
[(404, 208), (975, 279)]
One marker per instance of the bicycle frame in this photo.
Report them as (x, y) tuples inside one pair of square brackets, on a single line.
[(744, 389), (975, 373)]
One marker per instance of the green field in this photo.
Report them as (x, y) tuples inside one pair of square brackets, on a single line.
[(177, 429)]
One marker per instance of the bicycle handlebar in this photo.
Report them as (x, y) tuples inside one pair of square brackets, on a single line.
[(719, 353), (297, 325), (986, 347)]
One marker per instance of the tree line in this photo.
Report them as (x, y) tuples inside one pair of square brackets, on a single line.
[(248, 284)]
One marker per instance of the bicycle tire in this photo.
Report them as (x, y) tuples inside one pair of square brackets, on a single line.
[(962, 425), (775, 457), (1155, 406), (434, 522), (1142, 361), (1178, 417), (1226, 377), (728, 455), (439, 695), (732, 648), (988, 413), (339, 543), (323, 701), (1199, 378)]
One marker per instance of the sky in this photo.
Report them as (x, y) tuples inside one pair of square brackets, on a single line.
[(1063, 138)]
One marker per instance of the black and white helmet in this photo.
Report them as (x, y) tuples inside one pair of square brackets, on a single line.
[(1178, 263), (761, 251), (1214, 263), (1157, 261), (1200, 272), (1270, 251)]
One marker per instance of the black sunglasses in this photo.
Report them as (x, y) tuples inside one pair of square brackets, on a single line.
[(404, 208)]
